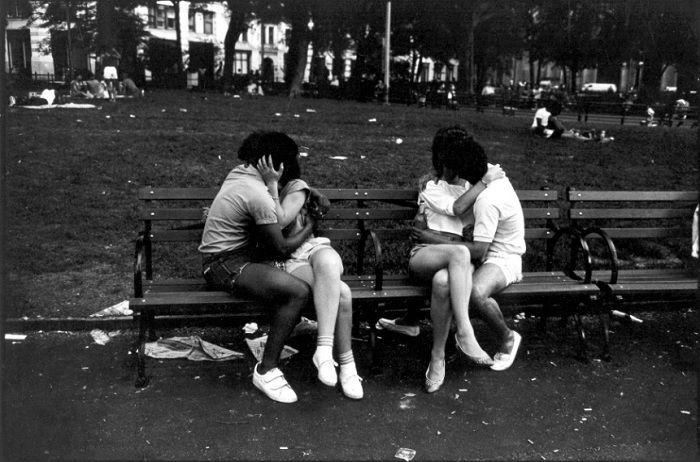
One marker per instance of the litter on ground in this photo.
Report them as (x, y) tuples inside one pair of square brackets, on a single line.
[(119, 309), (192, 348)]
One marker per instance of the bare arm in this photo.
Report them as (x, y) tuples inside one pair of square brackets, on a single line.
[(466, 200), (478, 250), (321, 201), (284, 246)]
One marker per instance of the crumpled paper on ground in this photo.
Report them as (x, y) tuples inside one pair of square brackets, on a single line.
[(120, 309), (257, 347), (192, 348), (101, 337), (305, 327)]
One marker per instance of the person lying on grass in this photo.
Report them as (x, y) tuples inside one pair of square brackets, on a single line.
[(315, 262), (546, 123), (243, 213), (448, 261)]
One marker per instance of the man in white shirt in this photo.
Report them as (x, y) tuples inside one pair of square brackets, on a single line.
[(497, 248)]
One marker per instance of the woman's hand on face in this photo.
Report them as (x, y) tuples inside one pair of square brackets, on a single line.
[(494, 172), (267, 170)]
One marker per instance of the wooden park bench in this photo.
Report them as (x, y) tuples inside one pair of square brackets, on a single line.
[(370, 229), (646, 223)]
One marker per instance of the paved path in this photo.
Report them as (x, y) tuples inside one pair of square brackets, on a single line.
[(66, 397)]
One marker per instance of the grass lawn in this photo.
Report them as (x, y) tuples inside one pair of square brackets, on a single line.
[(73, 173)]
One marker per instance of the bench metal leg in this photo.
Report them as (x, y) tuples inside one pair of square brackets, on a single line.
[(605, 324), (376, 346), (141, 378), (583, 344), (151, 328)]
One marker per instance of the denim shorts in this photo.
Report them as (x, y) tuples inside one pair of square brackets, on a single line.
[(221, 270)]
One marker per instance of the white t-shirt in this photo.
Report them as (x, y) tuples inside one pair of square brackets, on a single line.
[(543, 114), (499, 219), (439, 198)]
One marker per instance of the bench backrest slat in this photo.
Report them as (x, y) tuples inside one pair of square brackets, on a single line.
[(632, 196), (149, 193), (627, 213), (195, 235)]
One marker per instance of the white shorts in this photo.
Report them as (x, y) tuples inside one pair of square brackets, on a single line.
[(302, 255), (110, 73), (511, 265)]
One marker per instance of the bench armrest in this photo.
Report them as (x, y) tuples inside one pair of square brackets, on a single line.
[(609, 246), (378, 261), (139, 259), (576, 243)]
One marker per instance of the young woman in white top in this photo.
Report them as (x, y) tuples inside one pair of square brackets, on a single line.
[(447, 200)]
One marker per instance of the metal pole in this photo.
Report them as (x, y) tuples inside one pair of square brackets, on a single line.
[(387, 52), (70, 46)]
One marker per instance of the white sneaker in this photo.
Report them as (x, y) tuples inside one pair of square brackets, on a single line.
[(352, 386), (390, 324), (274, 385), (326, 370)]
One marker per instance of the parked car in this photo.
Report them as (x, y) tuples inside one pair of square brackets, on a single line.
[(600, 87)]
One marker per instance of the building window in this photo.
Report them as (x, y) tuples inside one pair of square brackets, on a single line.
[(241, 62), (170, 18), (244, 36), (162, 17), (191, 19), (18, 9), (208, 22), (271, 35)]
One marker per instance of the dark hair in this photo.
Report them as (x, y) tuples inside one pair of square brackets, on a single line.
[(455, 148), (554, 107), (281, 147)]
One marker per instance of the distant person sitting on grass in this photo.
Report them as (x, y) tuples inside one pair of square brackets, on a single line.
[(129, 87), (242, 214), (97, 88), (547, 124), (78, 88)]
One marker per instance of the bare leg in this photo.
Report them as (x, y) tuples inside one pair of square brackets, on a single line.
[(456, 260), (332, 300), (287, 295), (489, 280), (441, 317), (343, 326)]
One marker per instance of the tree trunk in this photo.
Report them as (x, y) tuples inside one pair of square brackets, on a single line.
[(106, 35), (178, 36), (236, 26), (298, 52), (651, 79), (297, 77), (470, 56)]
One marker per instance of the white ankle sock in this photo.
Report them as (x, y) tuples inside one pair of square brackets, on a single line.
[(347, 364)]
